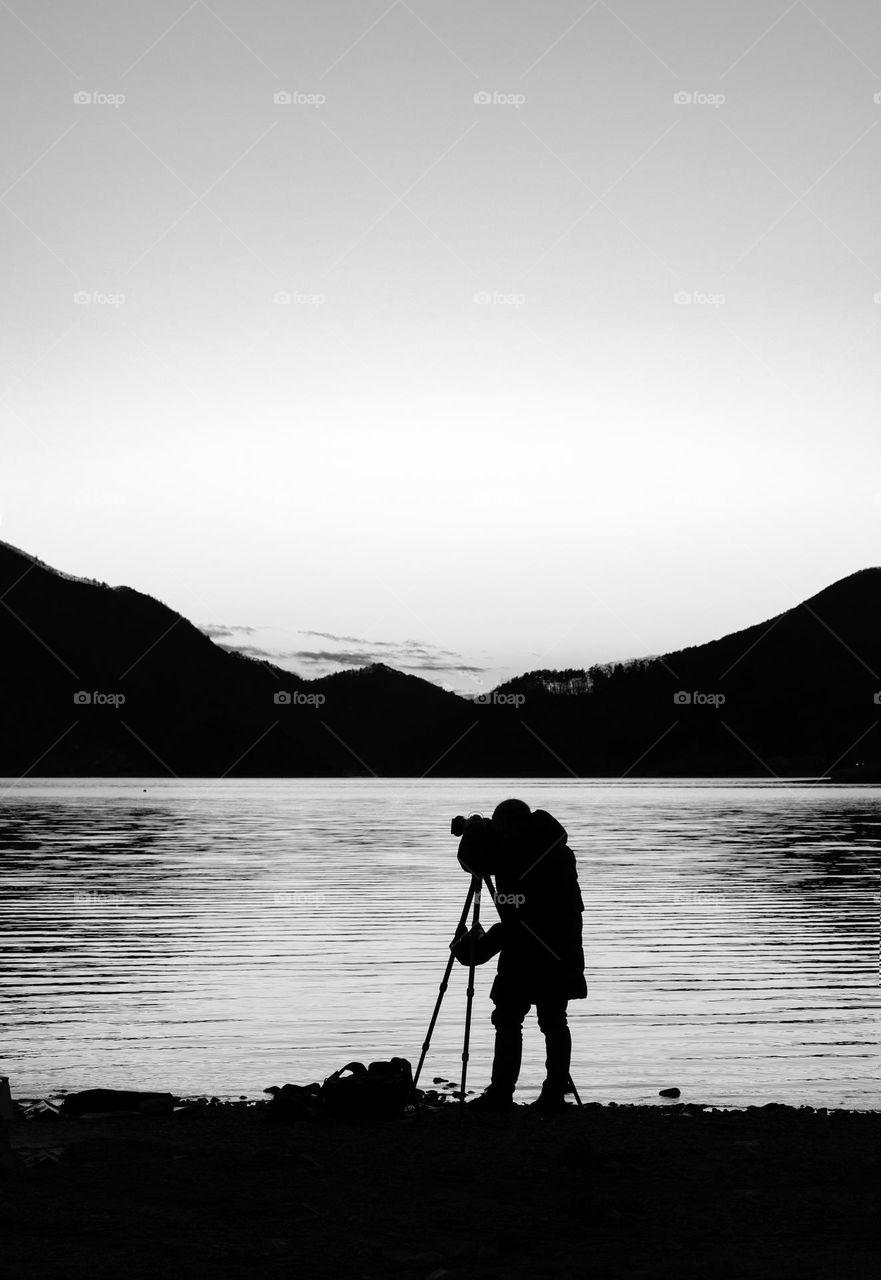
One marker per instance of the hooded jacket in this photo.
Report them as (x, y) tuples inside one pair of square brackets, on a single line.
[(538, 898)]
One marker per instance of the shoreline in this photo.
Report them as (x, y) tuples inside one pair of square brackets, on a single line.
[(611, 775), (56, 1098), (678, 1190)]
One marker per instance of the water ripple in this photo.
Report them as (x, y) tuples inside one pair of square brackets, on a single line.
[(223, 936)]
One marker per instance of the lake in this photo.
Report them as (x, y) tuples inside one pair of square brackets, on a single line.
[(217, 937)]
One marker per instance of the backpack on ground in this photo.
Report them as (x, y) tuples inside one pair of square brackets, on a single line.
[(378, 1092)]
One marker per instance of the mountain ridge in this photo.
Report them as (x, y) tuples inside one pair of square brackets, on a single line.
[(792, 693)]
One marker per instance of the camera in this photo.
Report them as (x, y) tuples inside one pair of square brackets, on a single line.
[(460, 822)]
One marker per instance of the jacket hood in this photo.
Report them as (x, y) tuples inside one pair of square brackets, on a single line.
[(548, 829)]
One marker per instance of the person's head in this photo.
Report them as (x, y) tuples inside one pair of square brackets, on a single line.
[(510, 820)]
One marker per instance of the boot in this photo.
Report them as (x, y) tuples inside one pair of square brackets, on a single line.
[(493, 1099), (550, 1099)]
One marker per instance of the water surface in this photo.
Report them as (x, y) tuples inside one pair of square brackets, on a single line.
[(221, 936)]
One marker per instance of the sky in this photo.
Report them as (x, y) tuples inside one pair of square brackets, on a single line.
[(473, 337)]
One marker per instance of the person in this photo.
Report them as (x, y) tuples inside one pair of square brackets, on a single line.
[(538, 939)]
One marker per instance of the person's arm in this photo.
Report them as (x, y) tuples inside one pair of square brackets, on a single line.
[(486, 945)]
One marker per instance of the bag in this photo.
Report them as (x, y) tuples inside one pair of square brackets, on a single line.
[(378, 1092)]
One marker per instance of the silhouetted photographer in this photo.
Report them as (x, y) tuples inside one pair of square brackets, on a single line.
[(538, 940)]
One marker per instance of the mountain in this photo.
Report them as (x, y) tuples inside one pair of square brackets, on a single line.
[(185, 699), (72, 648), (793, 695)]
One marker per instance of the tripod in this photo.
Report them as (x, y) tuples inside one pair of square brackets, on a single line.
[(472, 899)]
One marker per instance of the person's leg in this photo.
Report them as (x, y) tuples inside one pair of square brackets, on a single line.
[(558, 1044), (507, 1019)]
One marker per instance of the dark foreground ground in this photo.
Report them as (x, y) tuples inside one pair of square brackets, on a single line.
[(605, 1191)]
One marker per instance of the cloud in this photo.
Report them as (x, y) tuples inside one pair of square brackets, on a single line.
[(255, 651), (345, 657), (417, 656), (423, 646), (441, 666), (250, 651), (215, 629), (362, 658), (329, 635)]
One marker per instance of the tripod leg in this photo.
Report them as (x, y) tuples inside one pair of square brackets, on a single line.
[(475, 886), (443, 986), (575, 1091)]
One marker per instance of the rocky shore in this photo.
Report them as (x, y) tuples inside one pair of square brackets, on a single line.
[(601, 1191)]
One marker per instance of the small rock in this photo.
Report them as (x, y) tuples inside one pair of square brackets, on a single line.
[(668, 1093)]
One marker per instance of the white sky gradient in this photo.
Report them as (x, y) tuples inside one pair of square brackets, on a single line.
[(497, 433)]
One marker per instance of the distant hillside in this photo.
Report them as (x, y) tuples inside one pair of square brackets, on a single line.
[(189, 706), (570, 681), (791, 695)]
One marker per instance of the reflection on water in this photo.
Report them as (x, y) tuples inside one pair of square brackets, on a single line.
[(222, 936)]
